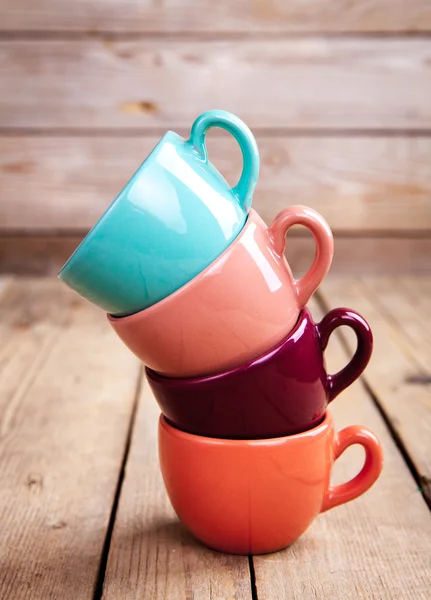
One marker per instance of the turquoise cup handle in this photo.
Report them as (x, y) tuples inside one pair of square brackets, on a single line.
[(250, 154)]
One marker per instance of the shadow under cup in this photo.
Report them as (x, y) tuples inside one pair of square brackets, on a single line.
[(258, 496), (283, 392)]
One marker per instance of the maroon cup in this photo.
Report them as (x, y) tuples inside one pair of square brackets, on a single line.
[(283, 392)]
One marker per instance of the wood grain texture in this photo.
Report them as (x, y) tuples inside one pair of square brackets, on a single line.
[(152, 555), (396, 376), (178, 16), (339, 83), (42, 255), (66, 393), (377, 546), (407, 304), (365, 255), (364, 184), (416, 294), (4, 283), (37, 255)]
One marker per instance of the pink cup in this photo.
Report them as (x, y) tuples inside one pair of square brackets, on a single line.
[(245, 302)]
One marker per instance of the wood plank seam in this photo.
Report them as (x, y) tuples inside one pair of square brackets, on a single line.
[(153, 556), (424, 485), (390, 72), (65, 439), (35, 255), (390, 317), (254, 593), (385, 181), (392, 322), (259, 130), (352, 552), (98, 589), (377, 234), (224, 18), (203, 36), (98, 592)]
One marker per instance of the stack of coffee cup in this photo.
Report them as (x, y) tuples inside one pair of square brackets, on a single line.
[(197, 286)]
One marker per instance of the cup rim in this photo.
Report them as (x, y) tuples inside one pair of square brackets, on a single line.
[(253, 217), (303, 317), (316, 431), (62, 274)]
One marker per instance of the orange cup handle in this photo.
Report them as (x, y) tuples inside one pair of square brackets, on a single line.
[(339, 494), (312, 220)]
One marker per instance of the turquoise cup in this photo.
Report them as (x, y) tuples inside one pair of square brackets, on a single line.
[(173, 218)]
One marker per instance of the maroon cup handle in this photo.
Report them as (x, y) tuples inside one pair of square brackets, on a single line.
[(344, 316)]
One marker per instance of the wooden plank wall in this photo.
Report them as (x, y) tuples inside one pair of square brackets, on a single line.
[(338, 94)]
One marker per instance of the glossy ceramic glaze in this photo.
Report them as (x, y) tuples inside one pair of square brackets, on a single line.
[(254, 497), (285, 391), (245, 302), (172, 219)]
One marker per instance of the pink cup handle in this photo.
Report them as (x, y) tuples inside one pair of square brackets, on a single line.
[(312, 220), (355, 434)]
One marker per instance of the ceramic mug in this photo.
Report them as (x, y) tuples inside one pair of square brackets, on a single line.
[(171, 220), (254, 497), (284, 391), (245, 302)]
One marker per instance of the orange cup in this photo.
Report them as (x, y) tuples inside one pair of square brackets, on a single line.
[(244, 303), (258, 496)]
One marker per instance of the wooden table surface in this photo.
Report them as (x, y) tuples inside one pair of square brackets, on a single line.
[(83, 511)]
